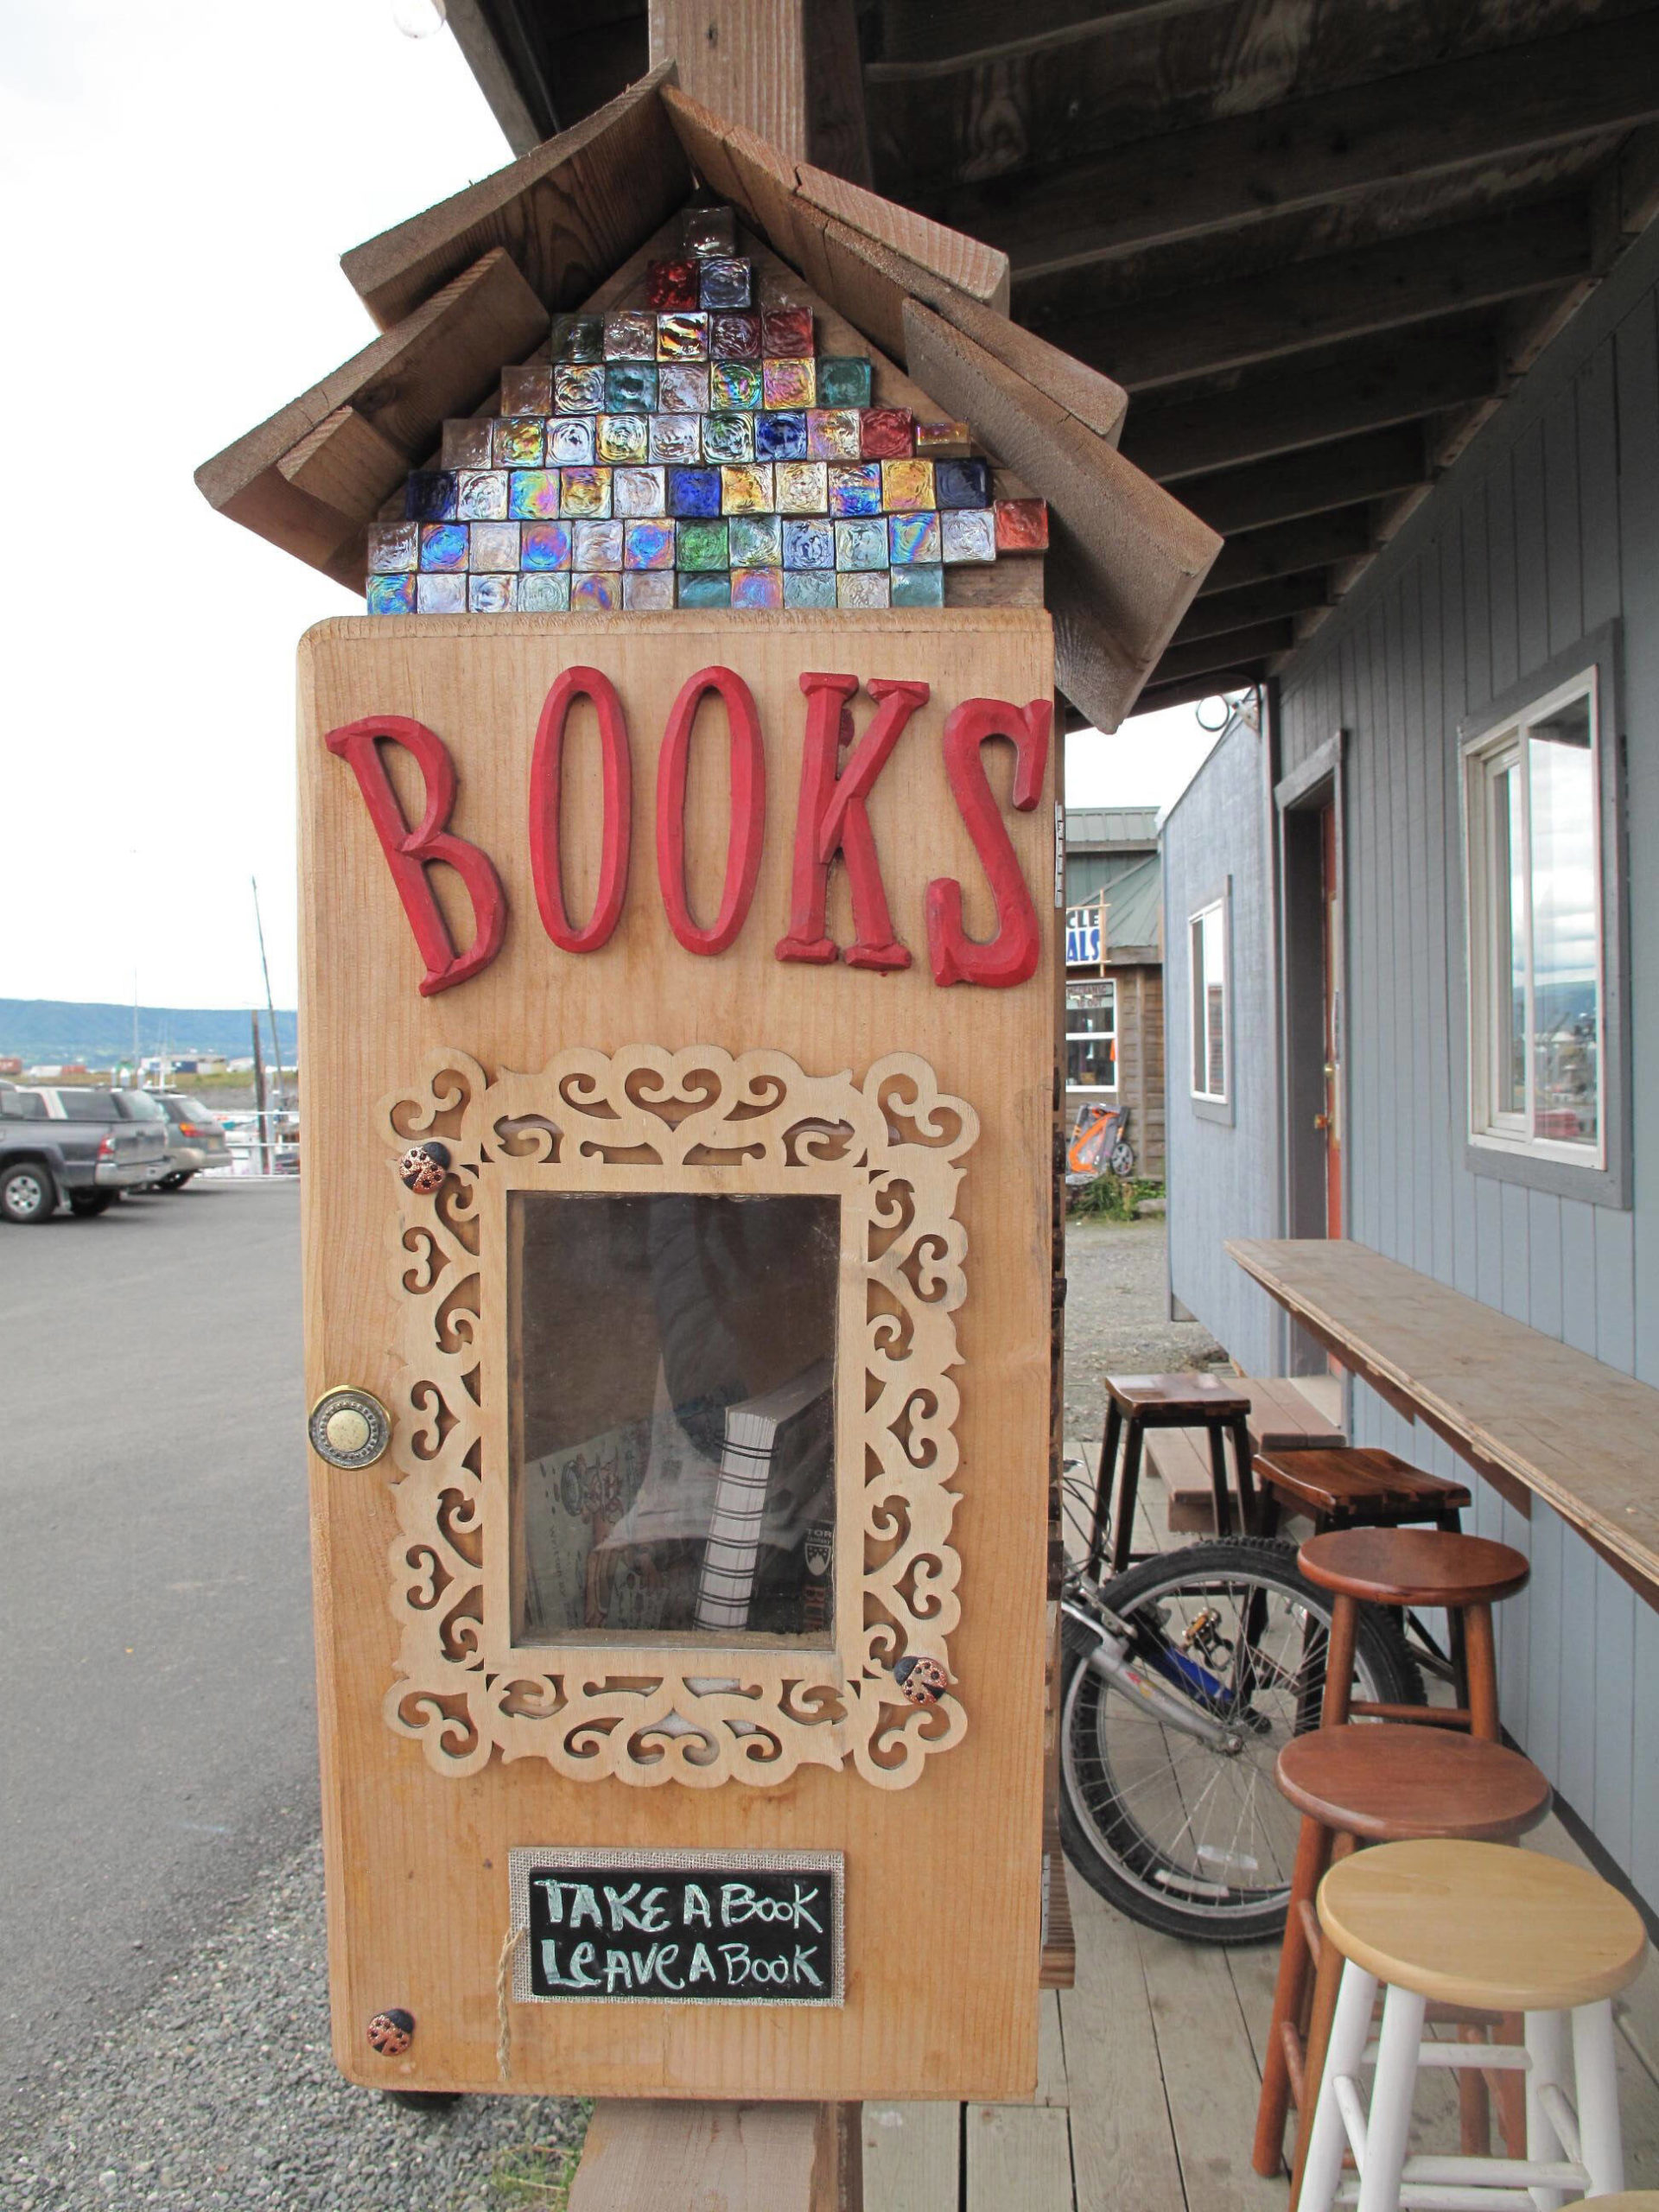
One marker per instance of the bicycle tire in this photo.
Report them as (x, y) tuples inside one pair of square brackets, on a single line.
[(1103, 1823)]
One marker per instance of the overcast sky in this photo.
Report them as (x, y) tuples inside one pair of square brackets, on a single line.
[(181, 179)]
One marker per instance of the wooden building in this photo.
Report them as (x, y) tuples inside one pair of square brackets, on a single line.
[(1115, 973)]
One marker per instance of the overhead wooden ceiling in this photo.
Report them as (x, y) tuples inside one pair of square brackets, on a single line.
[(1316, 240)]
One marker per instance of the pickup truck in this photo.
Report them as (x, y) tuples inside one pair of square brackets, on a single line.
[(45, 1159)]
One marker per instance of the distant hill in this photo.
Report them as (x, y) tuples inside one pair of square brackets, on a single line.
[(50, 1031)]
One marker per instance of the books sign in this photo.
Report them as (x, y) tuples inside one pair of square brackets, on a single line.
[(678, 1926)]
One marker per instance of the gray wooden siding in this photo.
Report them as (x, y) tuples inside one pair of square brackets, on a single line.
[(1547, 528)]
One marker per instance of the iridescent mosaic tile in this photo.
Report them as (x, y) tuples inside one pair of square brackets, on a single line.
[(533, 494), (916, 586), (570, 440), (702, 546), (914, 538), (546, 546), (676, 438), (394, 547), (444, 546), (681, 388), (942, 441), (491, 594), (726, 282), (682, 338), (441, 595), (787, 330), (735, 384), (631, 335), (832, 434), (709, 230), (638, 492), (863, 543), (597, 545), (516, 443), (527, 389), (578, 391), (962, 483), (855, 487), (548, 592), (907, 484), (734, 338), (788, 383), (648, 544), (757, 587), (390, 594), (869, 589), (1021, 525), (803, 488), (585, 491), (622, 437), (969, 533), (600, 592), (648, 591), (781, 437), (494, 546), (810, 545), (578, 338), (756, 542), (728, 437), (467, 443), (885, 433), (671, 285), (481, 494), (712, 589), (694, 492), (809, 587), (843, 381), (746, 491), (429, 496), (631, 388)]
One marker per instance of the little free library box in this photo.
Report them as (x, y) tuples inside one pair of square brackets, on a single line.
[(680, 976)]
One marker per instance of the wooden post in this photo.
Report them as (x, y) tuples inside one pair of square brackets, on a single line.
[(769, 2158), (261, 1131), (788, 70)]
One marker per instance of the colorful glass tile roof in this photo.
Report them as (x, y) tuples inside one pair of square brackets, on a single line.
[(693, 449)]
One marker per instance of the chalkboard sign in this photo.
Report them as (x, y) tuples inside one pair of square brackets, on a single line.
[(677, 1927)]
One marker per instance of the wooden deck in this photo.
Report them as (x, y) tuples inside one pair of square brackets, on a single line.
[(1149, 2070)]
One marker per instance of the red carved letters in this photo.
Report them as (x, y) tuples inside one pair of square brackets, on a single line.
[(545, 783), (1011, 956), (748, 804), (409, 853), (832, 818)]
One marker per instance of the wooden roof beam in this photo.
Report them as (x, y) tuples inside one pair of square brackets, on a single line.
[(1216, 656), (1310, 482), (1188, 691), (1281, 600), (1282, 550), (789, 68), (1215, 176)]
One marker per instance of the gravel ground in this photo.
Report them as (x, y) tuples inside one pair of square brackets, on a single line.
[(220, 2090)]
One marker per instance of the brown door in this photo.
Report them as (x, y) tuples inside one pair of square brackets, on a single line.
[(1331, 1115)]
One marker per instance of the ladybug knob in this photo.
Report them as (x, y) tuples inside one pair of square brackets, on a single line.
[(924, 1682), (392, 2032), (423, 1166)]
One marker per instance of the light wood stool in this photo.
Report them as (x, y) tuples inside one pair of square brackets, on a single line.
[(1502, 1930)]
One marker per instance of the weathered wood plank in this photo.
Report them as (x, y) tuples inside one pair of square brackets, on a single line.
[(912, 2156), (1018, 2154), (1254, 557), (759, 2158), (1122, 2145), (1299, 484), (788, 71)]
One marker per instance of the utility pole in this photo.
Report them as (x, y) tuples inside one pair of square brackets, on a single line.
[(261, 1130), (275, 1039)]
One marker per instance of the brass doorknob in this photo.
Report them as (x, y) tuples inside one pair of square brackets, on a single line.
[(349, 1428)]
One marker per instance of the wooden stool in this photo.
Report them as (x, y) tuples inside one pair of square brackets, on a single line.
[(1135, 1403), (1373, 1785), (1466, 1575), (1346, 1487), (1504, 1931)]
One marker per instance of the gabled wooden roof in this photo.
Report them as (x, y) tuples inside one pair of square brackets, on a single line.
[(467, 288)]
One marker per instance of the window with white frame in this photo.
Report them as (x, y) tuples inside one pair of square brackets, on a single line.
[(1207, 938), (1091, 1036), (1537, 1015)]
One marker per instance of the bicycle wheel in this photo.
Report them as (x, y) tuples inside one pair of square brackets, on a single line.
[(1184, 1832)]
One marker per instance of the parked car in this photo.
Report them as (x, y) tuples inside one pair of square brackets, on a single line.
[(83, 1103), (196, 1140), (45, 1159)]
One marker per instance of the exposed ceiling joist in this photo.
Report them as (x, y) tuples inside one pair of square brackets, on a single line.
[(1310, 482)]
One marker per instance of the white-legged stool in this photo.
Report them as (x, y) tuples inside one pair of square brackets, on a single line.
[(1505, 1930)]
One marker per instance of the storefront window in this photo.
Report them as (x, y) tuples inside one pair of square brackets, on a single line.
[(1091, 1036)]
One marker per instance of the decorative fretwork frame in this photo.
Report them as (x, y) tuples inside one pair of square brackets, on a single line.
[(686, 1709)]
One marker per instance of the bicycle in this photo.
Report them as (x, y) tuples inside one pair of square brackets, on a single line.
[(1181, 1678)]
